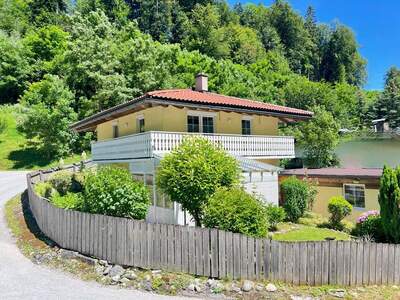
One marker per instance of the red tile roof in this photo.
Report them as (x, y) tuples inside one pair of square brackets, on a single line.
[(188, 95), (336, 172)]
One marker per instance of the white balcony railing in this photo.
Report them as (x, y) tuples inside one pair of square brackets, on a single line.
[(148, 144)]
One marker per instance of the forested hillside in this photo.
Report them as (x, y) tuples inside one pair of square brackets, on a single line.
[(64, 61)]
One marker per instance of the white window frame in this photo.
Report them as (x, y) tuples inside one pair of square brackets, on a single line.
[(355, 184), (201, 114)]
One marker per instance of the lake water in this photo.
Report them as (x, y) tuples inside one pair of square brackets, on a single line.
[(369, 153)]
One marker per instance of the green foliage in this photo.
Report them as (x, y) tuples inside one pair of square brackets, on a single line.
[(113, 192), (237, 211), (295, 194), (14, 68), (318, 138), (369, 227), (339, 208), (49, 114), (389, 199), (388, 104), (67, 201), (275, 215), (3, 124), (46, 190), (62, 182), (192, 172)]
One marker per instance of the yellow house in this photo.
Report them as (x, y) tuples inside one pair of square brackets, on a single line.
[(359, 186), (136, 134)]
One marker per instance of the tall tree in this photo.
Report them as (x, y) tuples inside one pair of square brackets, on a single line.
[(388, 104), (341, 61), (389, 200)]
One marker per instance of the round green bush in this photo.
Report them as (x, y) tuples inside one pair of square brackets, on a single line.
[(112, 191), (68, 201), (192, 172), (295, 193), (237, 211), (61, 181), (339, 208), (45, 189), (369, 224), (275, 215)]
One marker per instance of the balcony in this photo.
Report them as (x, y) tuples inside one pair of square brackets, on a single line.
[(157, 143)]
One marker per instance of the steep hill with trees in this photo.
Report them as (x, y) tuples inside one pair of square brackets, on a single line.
[(82, 57)]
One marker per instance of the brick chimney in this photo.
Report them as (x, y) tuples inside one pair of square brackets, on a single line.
[(201, 82)]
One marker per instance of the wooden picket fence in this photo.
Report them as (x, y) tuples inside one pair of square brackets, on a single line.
[(214, 253)]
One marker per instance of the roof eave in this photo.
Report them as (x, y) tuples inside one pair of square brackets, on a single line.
[(90, 123)]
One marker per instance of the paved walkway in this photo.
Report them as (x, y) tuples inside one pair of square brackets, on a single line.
[(21, 279)]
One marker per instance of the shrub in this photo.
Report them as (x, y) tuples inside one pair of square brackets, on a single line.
[(369, 224), (62, 182), (112, 191), (389, 199), (275, 215), (237, 211), (295, 193), (339, 208), (68, 201), (3, 124), (192, 172), (45, 189)]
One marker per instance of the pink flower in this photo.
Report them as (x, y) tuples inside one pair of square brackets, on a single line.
[(364, 216)]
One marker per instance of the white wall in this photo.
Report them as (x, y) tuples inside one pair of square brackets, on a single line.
[(264, 184)]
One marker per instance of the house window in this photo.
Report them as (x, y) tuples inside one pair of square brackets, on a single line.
[(193, 123), (200, 122), (208, 125), (246, 127), (140, 123), (115, 131), (355, 194)]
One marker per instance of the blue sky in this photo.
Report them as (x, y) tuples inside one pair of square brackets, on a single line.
[(375, 22)]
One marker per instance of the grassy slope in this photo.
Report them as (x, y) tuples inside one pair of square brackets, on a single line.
[(15, 153), (309, 233)]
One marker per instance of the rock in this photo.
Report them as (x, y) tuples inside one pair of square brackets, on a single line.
[(247, 286), (42, 258), (116, 270), (271, 287), (116, 278), (198, 288), (67, 254), (292, 297), (130, 275), (395, 287), (154, 272), (147, 277), (99, 269), (103, 262), (235, 288), (124, 280), (191, 287), (107, 270), (259, 287), (212, 283), (147, 285), (86, 259), (339, 293)]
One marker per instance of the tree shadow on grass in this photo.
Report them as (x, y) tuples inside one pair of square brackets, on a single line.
[(28, 158), (31, 221)]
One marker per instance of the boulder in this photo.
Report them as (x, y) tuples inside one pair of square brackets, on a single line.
[(271, 287), (338, 293), (247, 286), (116, 270)]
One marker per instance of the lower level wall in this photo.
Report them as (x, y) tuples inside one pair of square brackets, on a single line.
[(324, 193)]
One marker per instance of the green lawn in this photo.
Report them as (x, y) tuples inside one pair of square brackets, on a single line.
[(16, 153), (308, 233)]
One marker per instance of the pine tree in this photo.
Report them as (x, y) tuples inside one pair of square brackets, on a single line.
[(389, 200)]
